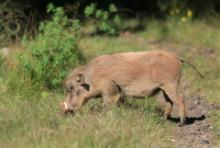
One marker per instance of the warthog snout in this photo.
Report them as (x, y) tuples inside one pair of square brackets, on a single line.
[(64, 109)]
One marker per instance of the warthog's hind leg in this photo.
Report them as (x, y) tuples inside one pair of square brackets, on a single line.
[(171, 91), (168, 106)]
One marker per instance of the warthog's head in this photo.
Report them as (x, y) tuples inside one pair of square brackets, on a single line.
[(74, 91)]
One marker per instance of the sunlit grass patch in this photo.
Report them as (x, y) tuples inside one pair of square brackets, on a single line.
[(99, 45), (197, 33), (35, 122)]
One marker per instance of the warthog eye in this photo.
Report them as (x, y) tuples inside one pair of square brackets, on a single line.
[(70, 88)]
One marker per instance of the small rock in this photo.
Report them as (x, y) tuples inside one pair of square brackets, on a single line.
[(172, 139), (5, 51), (211, 127), (125, 34), (205, 141), (209, 50), (204, 112), (196, 102), (204, 136)]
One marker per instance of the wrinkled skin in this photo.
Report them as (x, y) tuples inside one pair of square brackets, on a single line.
[(73, 93), (116, 76)]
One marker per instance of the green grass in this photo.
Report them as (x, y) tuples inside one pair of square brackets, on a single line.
[(33, 121), (29, 115)]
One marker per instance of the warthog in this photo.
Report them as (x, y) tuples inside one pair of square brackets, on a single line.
[(136, 74)]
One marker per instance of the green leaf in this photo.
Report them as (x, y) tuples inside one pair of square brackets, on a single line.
[(117, 19), (90, 10), (50, 7), (112, 8)]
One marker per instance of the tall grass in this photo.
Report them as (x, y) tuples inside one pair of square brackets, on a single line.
[(33, 121)]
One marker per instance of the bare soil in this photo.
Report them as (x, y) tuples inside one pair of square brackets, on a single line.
[(197, 133), (198, 130)]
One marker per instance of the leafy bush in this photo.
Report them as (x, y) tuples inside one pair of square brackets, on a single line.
[(104, 21), (53, 51)]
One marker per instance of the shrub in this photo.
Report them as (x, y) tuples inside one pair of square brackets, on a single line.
[(54, 50), (103, 21)]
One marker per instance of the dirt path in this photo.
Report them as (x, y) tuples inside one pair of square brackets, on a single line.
[(197, 133)]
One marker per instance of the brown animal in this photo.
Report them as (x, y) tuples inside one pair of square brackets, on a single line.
[(116, 76)]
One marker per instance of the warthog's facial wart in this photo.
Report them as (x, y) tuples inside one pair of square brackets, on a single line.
[(73, 99)]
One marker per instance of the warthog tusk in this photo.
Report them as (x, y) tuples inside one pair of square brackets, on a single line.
[(66, 106)]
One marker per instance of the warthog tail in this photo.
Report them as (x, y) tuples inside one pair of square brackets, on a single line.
[(193, 66)]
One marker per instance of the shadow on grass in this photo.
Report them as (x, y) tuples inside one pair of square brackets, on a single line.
[(189, 120)]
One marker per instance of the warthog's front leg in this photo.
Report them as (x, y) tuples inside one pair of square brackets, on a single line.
[(111, 93)]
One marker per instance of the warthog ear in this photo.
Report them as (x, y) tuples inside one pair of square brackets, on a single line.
[(80, 78)]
